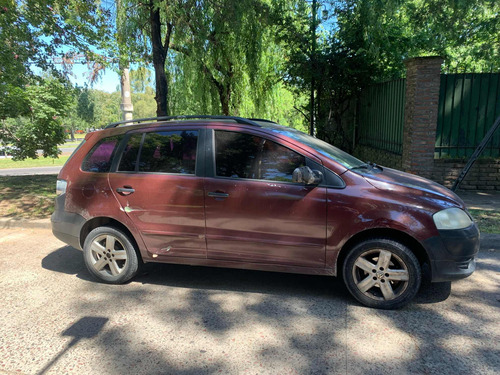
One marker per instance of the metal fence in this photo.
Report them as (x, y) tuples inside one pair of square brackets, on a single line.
[(381, 116), (468, 105)]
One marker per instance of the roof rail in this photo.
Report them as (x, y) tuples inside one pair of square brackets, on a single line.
[(239, 120), (263, 120)]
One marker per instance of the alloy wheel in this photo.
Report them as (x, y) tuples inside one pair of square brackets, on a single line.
[(380, 274)]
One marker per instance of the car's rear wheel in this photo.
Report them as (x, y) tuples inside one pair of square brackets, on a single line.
[(110, 256), (382, 273)]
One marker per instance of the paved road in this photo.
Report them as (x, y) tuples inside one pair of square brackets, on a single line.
[(29, 171), (54, 319)]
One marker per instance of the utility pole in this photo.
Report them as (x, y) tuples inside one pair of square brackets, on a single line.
[(313, 68), (123, 65), (126, 104)]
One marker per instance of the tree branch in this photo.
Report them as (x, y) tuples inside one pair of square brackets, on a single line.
[(166, 45), (303, 114)]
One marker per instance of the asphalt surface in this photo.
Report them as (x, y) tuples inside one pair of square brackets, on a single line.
[(29, 171), (54, 319)]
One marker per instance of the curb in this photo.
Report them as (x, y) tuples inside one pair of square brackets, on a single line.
[(8, 223)]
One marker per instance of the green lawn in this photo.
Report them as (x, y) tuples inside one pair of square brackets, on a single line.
[(6, 163), (29, 197), (487, 221)]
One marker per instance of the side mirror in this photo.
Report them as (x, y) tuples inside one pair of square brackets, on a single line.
[(307, 176)]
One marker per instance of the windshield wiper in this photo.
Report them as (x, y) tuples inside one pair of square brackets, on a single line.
[(362, 166), (368, 165)]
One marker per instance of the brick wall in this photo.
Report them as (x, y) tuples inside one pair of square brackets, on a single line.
[(484, 174)]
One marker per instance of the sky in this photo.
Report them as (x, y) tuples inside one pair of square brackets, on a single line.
[(109, 81)]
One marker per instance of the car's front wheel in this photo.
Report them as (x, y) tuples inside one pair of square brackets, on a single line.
[(382, 273), (110, 256)]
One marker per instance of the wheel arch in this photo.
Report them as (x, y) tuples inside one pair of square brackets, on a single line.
[(393, 234), (103, 221)]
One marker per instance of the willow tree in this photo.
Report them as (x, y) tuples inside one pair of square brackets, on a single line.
[(223, 51), (225, 41)]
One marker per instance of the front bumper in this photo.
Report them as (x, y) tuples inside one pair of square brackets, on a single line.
[(66, 226), (452, 253)]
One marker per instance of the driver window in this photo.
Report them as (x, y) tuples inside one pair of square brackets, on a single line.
[(240, 155)]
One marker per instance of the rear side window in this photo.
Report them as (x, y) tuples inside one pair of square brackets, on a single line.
[(100, 157), (161, 152)]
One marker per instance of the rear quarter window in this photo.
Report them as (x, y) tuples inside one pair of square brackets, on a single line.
[(100, 157)]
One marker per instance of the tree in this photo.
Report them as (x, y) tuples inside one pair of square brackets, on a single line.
[(40, 127), (106, 108), (226, 41), (32, 34), (465, 32), (367, 41), (145, 29)]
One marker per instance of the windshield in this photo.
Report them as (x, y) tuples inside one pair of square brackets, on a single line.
[(322, 147)]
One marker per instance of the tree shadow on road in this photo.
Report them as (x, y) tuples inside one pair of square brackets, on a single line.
[(214, 320)]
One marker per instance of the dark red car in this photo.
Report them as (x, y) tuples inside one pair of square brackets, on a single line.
[(234, 192)]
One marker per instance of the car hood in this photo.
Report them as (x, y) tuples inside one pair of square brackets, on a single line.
[(393, 180)]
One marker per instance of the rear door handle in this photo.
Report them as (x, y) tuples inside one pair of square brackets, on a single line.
[(126, 190), (217, 194)]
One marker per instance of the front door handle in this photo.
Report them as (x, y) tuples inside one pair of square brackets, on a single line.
[(126, 190), (218, 194)]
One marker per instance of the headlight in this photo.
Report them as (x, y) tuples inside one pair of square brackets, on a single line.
[(452, 218)]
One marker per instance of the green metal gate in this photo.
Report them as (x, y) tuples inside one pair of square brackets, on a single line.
[(468, 105), (381, 116)]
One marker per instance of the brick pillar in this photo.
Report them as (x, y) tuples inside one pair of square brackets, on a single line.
[(421, 110)]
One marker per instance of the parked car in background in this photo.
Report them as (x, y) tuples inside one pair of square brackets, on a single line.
[(252, 194)]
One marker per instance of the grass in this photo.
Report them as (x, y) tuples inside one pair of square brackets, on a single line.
[(32, 197), (488, 221), (6, 163), (28, 197)]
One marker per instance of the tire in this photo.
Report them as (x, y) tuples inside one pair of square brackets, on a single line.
[(382, 273), (110, 256)]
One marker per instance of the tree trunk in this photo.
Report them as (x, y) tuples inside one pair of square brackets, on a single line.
[(159, 57), (225, 97)]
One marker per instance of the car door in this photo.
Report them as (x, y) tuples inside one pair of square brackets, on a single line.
[(156, 183), (254, 212)]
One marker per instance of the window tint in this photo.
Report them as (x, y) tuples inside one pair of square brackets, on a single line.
[(241, 155), (169, 152), (100, 157), (128, 161)]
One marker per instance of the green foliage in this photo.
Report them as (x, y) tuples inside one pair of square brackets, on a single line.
[(32, 34), (106, 108), (140, 79), (85, 105), (144, 103), (41, 127), (367, 41), (209, 35), (465, 32)]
